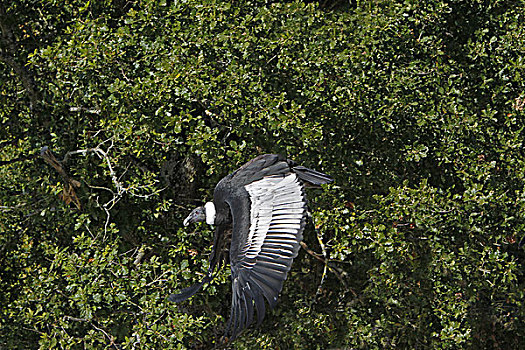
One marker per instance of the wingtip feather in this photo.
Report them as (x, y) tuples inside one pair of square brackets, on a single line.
[(185, 293), (312, 177)]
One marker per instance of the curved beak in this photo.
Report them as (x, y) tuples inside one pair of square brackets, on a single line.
[(196, 215)]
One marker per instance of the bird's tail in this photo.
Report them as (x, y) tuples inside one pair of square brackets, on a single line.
[(312, 177)]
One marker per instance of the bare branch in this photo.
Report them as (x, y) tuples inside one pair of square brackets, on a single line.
[(76, 319), (110, 338), (158, 279), (84, 109), (326, 258), (119, 190), (68, 193), (328, 265), (18, 159), (102, 154), (311, 252), (8, 56)]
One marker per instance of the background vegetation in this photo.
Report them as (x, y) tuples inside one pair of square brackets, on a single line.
[(414, 107)]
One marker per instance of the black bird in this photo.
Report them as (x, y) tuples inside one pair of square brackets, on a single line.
[(265, 202)]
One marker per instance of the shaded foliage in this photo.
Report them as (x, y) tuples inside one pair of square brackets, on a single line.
[(415, 108)]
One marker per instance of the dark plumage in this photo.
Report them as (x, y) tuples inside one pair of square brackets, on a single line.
[(265, 204)]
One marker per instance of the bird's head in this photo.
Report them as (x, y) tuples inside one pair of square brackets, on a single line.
[(200, 214)]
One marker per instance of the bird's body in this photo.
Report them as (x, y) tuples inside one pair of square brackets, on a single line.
[(264, 204)]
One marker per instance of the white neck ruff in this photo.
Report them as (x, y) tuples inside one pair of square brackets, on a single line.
[(210, 213)]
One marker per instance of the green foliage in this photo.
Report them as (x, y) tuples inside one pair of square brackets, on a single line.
[(414, 107)]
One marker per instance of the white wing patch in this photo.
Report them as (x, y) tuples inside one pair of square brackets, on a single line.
[(278, 209)]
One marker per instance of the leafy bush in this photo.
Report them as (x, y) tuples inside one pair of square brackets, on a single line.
[(415, 108)]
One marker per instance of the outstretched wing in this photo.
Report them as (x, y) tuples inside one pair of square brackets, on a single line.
[(266, 246)]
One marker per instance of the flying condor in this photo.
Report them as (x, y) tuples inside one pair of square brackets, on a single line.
[(264, 204)]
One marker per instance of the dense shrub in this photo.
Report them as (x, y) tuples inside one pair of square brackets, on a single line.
[(414, 107)]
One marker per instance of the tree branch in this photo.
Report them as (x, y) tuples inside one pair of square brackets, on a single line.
[(338, 272), (68, 194), (8, 54), (19, 159)]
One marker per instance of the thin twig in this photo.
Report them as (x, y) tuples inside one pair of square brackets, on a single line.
[(311, 252), (76, 319), (120, 189), (338, 272), (84, 109), (326, 258), (158, 279), (110, 338)]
